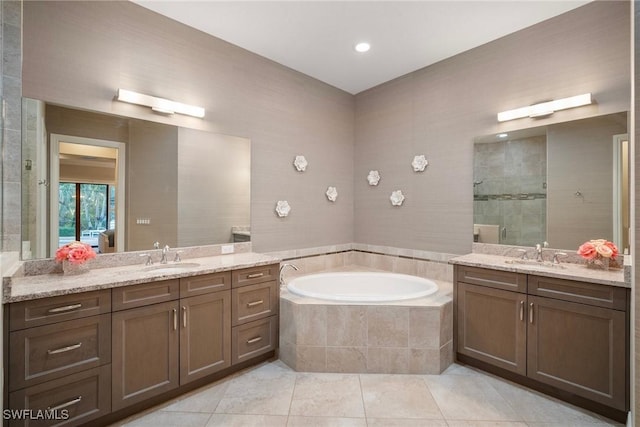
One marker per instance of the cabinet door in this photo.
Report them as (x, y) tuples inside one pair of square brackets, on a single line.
[(578, 348), (145, 353), (205, 336), (492, 326)]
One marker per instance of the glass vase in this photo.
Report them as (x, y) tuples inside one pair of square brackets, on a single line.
[(598, 263), (71, 269)]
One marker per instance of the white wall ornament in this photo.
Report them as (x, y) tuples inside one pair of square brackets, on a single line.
[(419, 163), (283, 208), (300, 163), (373, 177), (397, 198), (332, 194)]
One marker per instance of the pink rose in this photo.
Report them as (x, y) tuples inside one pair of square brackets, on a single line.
[(614, 249), (587, 250), (62, 253), (604, 250)]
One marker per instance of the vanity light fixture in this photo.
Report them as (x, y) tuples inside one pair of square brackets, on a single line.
[(546, 108), (159, 105)]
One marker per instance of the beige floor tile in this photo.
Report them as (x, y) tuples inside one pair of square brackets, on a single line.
[(405, 422), (299, 421), (575, 424), (170, 419), (462, 423), (469, 397), (239, 420), (322, 394), (202, 400), (394, 396), (535, 407), (266, 391)]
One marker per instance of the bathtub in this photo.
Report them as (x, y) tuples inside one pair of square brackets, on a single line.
[(366, 322), (362, 287)]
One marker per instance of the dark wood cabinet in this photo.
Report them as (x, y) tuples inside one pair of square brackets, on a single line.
[(145, 353), (104, 354), (578, 348), (205, 335), (491, 326), (568, 337)]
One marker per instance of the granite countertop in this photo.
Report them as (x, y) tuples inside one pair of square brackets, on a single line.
[(570, 271), (49, 285)]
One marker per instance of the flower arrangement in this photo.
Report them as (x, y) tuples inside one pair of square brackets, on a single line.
[(599, 252), (75, 252)]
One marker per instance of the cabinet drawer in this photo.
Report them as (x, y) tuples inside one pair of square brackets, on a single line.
[(27, 314), (581, 292), (198, 285), (253, 275), (145, 294), (254, 302), (53, 351), (507, 280), (253, 339), (75, 399)]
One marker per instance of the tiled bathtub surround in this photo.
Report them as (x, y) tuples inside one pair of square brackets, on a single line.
[(407, 337)]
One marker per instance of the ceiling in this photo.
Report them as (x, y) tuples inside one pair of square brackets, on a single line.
[(317, 38)]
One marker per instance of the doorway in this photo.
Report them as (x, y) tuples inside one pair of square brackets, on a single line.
[(87, 192)]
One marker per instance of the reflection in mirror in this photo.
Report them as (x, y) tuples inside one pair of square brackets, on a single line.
[(122, 184), (564, 183)]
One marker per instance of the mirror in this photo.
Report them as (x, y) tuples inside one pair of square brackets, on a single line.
[(121, 184), (564, 183)]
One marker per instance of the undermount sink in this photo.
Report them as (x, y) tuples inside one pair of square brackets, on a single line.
[(172, 268), (534, 263)]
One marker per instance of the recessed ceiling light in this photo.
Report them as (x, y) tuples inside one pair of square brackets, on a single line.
[(362, 47)]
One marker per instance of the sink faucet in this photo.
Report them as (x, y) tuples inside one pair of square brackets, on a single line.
[(165, 251), (282, 270), (539, 250)]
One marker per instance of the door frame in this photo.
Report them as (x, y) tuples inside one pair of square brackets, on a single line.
[(54, 167)]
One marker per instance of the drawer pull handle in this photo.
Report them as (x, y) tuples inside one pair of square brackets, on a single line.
[(254, 303), (531, 313), (175, 319), (184, 316), (66, 404), (254, 340), (521, 310), (65, 349), (255, 275), (64, 309)]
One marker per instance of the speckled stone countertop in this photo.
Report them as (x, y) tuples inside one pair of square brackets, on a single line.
[(568, 271), (49, 285)]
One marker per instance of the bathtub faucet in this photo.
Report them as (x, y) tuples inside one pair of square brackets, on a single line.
[(282, 267)]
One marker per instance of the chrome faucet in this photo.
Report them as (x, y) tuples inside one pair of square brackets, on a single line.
[(539, 250), (282, 267), (165, 251)]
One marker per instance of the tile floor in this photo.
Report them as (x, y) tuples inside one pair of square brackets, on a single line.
[(272, 394)]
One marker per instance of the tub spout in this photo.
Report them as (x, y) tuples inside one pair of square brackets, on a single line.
[(282, 268)]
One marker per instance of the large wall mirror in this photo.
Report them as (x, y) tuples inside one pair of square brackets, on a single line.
[(564, 183), (121, 184)]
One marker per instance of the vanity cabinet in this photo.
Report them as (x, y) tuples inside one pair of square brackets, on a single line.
[(255, 302), (59, 357), (104, 354), (159, 346), (569, 337)]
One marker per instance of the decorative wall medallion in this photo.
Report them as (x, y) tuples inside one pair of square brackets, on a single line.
[(397, 198), (419, 163), (282, 208), (373, 177), (300, 163), (332, 194)]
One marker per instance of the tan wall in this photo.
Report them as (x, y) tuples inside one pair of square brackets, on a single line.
[(79, 53), (437, 111), (214, 182), (573, 219)]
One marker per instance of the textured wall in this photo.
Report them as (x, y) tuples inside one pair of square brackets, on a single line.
[(79, 53), (437, 111)]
